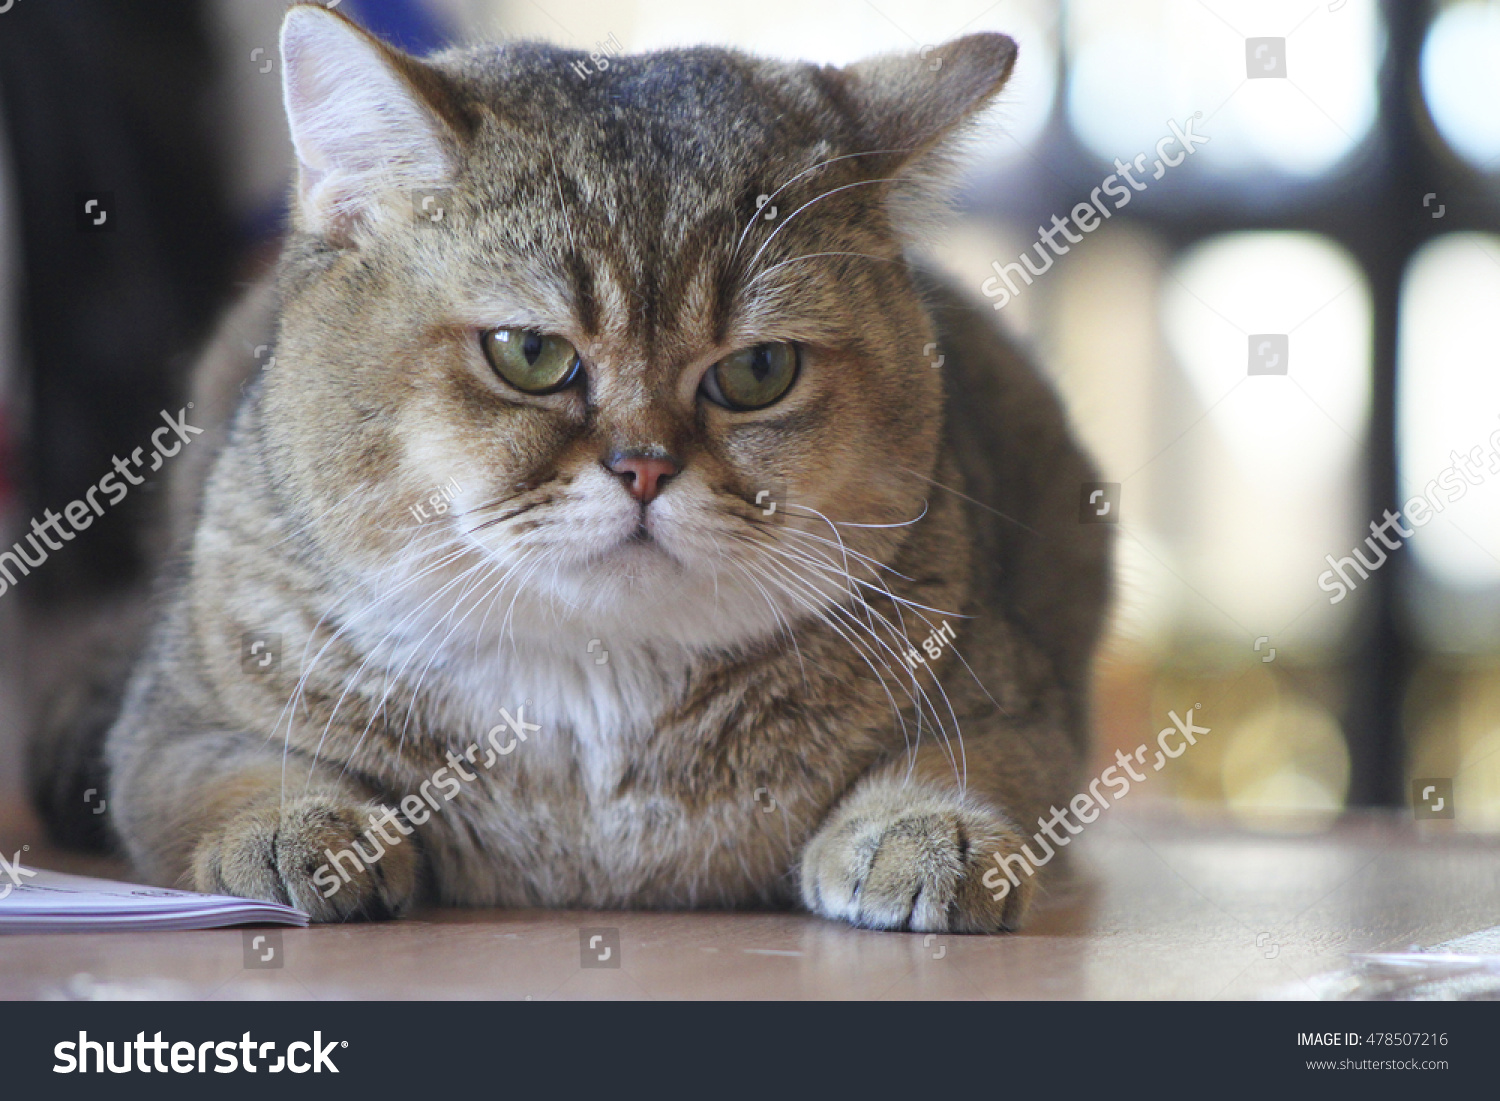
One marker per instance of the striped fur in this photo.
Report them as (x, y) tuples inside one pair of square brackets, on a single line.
[(756, 735)]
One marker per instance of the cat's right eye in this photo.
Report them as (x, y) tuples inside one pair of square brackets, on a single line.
[(532, 362)]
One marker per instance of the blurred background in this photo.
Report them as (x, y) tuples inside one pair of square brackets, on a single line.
[(1345, 207)]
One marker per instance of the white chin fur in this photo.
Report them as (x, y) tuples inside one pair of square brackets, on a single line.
[(597, 643), (669, 591), (582, 576)]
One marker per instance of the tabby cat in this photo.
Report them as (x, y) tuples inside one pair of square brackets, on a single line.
[(619, 519)]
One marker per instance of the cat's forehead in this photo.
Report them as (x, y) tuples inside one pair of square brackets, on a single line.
[(641, 192), (683, 104), (678, 123)]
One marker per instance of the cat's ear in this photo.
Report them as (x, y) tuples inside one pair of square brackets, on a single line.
[(367, 121), (917, 105), (914, 101)]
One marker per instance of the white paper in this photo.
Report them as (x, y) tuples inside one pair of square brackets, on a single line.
[(53, 902)]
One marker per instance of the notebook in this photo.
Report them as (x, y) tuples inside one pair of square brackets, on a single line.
[(38, 901)]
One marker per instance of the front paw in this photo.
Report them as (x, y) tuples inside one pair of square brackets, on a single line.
[(912, 860), (282, 854)]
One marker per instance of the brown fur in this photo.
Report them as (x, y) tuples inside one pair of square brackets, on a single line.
[(754, 736)]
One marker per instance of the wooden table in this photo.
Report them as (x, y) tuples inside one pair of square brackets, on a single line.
[(1159, 906)]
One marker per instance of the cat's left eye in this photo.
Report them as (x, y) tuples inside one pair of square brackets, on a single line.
[(532, 362), (753, 378)]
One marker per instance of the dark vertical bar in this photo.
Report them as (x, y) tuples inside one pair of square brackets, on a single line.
[(1381, 654)]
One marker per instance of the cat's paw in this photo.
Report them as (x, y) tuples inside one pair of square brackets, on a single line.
[(913, 861), (281, 854)]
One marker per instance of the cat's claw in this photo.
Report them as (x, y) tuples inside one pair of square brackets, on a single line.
[(913, 864), (280, 854)]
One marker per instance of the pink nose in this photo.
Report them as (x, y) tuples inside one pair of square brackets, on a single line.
[(643, 475)]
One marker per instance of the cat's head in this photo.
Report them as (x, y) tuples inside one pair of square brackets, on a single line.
[(648, 318)]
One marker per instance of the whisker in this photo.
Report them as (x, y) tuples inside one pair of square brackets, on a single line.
[(306, 671), (505, 624), (505, 573), (511, 515), (900, 602), (783, 624), (971, 500), (879, 582), (827, 194), (959, 770), (859, 652), (959, 762), (854, 524), (864, 559), (370, 656), (807, 171)]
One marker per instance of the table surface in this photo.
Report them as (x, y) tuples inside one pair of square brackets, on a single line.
[(1157, 906)]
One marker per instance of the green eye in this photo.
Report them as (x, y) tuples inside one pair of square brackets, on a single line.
[(753, 377), (532, 362)]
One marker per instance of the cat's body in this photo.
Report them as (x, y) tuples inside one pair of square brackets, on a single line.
[(711, 711)]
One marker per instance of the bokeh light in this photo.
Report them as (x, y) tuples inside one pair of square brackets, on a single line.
[(1132, 67), (1267, 465), (1449, 401), (1461, 80)]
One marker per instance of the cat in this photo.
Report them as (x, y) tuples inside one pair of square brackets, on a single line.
[(620, 518)]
